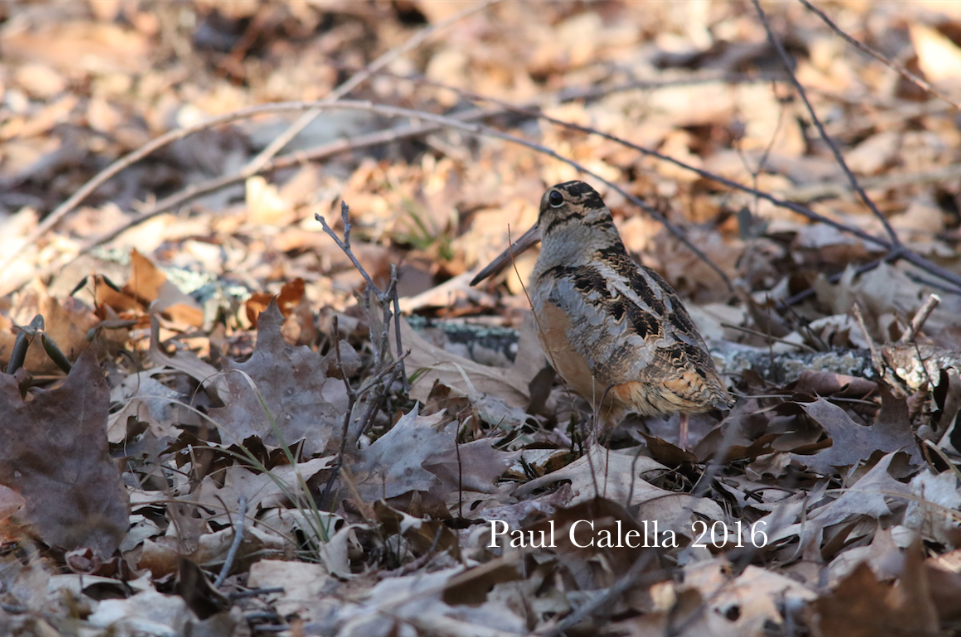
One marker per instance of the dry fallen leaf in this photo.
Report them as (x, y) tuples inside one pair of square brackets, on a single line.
[(148, 284), (302, 587), (853, 443), (607, 474), (418, 455), (428, 363), (290, 380), (66, 321), (56, 457), (861, 606)]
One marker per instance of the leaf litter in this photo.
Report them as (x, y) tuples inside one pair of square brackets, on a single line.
[(234, 449)]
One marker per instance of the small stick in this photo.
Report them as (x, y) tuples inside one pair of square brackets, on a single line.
[(839, 158), (372, 407), (400, 348), (629, 579), (235, 546), (285, 161), (385, 299), (345, 244), (483, 131), (254, 592), (258, 162), (891, 64), (768, 337), (875, 356), (457, 123), (460, 475), (891, 256), (919, 318)]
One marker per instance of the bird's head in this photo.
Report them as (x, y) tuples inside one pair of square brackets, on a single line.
[(572, 223)]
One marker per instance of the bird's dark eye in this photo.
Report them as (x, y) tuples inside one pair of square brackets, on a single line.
[(556, 199)]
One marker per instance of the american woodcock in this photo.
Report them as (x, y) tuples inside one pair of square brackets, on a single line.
[(615, 331)]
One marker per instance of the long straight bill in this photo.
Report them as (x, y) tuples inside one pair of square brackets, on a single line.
[(528, 239)]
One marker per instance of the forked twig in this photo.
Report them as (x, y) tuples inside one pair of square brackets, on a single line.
[(380, 343), (372, 406), (345, 244)]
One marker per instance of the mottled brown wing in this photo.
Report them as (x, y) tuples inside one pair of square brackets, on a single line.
[(666, 322), (626, 320)]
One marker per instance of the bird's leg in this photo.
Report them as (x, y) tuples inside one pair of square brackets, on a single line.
[(682, 443)]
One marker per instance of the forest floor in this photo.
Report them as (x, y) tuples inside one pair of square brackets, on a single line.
[(215, 420)]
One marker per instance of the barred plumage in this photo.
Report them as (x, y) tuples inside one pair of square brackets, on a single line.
[(608, 325)]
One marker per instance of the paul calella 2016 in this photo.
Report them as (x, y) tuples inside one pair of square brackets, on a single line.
[(649, 535)]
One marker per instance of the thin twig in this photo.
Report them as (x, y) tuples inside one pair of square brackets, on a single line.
[(379, 398), (374, 343), (477, 130), (768, 337), (345, 244), (831, 189), (204, 188), (834, 278), (876, 360), (898, 250), (629, 579), (60, 211), (235, 545), (441, 122), (385, 298), (254, 592), (460, 473), (891, 64), (349, 411), (286, 161), (400, 347), (340, 363), (258, 162), (855, 185), (919, 318), (372, 406)]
